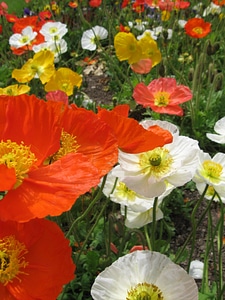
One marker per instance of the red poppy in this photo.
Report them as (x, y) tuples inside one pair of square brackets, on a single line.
[(32, 21), (26, 143), (89, 136), (138, 248), (73, 4), (162, 95), (197, 28), (167, 5), (219, 2), (125, 3), (58, 96), (182, 4), (0, 29), (131, 136), (11, 18), (95, 3), (138, 8), (45, 15), (3, 9), (35, 260)]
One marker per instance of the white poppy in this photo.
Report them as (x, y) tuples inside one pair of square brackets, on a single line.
[(157, 32), (212, 9), (144, 275), (149, 173), (211, 171), (91, 37), (53, 31), (18, 40), (196, 269), (220, 130)]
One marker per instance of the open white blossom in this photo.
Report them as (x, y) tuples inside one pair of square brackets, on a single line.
[(91, 37), (220, 130), (18, 40), (57, 48), (212, 9), (53, 31), (149, 173), (144, 275), (211, 171), (157, 32)]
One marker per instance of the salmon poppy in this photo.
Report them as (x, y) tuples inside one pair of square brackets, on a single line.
[(35, 260), (197, 28), (131, 136), (40, 189), (162, 95), (83, 132), (144, 66)]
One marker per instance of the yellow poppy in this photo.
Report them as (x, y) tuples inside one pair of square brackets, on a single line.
[(127, 47), (40, 66), (150, 49), (15, 90), (64, 79)]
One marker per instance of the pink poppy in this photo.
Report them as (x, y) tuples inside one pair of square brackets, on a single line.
[(162, 95)]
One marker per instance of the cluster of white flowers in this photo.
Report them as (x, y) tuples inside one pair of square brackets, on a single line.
[(53, 33)]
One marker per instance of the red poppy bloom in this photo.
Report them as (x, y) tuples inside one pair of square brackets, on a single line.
[(73, 4), (45, 15), (26, 144), (197, 28), (162, 95), (131, 136), (219, 2), (182, 4), (144, 66), (95, 3), (0, 29), (138, 8), (84, 133), (32, 21), (35, 260), (11, 18), (125, 3)]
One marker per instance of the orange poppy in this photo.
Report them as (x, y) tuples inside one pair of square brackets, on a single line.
[(95, 3), (83, 132), (197, 28), (35, 260), (26, 143), (32, 21), (219, 2), (131, 136)]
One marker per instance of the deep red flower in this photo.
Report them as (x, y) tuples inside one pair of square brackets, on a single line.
[(138, 8), (11, 18), (162, 95), (35, 260), (125, 3), (0, 29), (30, 135), (197, 28), (131, 136)]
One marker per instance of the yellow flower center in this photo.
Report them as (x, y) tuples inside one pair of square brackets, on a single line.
[(24, 39), (123, 191), (12, 261), (156, 162), (145, 291), (68, 144), (53, 29), (198, 30), (212, 170), (161, 98), (17, 156)]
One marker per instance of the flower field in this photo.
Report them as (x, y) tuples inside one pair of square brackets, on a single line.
[(94, 176)]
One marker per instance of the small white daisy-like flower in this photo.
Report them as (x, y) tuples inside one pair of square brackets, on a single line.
[(196, 269), (149, 173), (53, 31), (91, 37), (18, 40), (220, 130), (144, 275), (212, 9), (211, 171)]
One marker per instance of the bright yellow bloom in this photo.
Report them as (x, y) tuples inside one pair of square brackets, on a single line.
[(165, 15), (64, 79), (14, 90), (150, 49), (40, 66), (127, 47)]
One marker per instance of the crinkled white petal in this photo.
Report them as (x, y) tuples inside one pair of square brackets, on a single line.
[(18, 40), (196, 269), (212, 9), (220, 130), (100, 32), (51, 29), (138, 219), (144, 267)]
